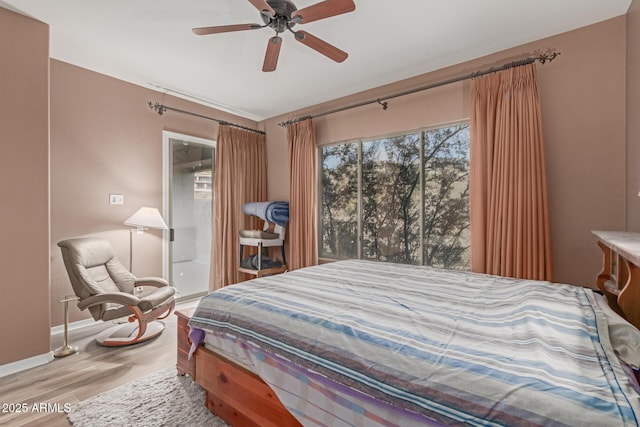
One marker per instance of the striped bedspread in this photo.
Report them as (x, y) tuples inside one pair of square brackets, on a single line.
[(453, 347)]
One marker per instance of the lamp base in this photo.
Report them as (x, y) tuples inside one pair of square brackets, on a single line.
[(65, 351)]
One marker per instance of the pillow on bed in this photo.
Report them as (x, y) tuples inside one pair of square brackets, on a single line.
[(625, 338)]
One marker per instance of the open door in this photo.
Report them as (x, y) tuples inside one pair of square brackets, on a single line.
[(189, 178)]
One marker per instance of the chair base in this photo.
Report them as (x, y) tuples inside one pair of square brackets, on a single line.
[(126, 334)]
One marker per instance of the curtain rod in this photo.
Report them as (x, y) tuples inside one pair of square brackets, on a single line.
[(548, 56), (161, 109)]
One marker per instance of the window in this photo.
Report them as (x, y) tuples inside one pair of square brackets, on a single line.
[(401, 198)]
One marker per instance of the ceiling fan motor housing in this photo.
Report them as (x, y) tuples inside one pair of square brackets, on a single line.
[(282, 18)]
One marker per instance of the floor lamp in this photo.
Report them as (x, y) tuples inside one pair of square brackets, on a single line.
[(143, 219)]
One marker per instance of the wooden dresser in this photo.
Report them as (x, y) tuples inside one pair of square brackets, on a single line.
[(619, 279)]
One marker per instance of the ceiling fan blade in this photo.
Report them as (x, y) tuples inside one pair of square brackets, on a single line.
[(273, 51), (225, 29), (322, 10), (263, 7), (321, 46)]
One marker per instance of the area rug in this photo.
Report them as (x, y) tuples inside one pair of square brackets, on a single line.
[(160, 399)]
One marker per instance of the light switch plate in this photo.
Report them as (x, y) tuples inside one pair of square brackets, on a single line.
[(116, 199)]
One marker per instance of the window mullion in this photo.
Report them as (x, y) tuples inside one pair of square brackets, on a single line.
[(320, 196), (422, 201), (360, 210)]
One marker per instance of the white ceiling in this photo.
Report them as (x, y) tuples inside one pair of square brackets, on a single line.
[(150, 43)]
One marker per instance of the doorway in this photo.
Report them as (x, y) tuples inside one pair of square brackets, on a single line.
[(188, 197)]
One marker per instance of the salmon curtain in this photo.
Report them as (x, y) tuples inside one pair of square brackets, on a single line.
[(509, 213), (240, 177), (303, 243)]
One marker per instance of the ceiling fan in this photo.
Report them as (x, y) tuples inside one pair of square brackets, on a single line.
[(282, 15)]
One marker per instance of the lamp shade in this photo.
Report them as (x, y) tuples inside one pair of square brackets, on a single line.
[(147, 218)]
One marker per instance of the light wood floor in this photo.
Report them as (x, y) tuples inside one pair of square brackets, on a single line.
[(91, 371)]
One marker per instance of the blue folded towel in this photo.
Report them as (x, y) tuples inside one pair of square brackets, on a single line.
[(273, 212)]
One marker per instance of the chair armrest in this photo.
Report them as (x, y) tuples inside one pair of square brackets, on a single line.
[(108, 297), (158, 282)]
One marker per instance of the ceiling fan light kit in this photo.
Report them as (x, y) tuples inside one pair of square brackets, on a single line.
[(281, 16)]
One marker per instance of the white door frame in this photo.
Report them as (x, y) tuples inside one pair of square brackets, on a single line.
[(166, 179)]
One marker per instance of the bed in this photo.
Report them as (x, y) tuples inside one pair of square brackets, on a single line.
[(362, 343)]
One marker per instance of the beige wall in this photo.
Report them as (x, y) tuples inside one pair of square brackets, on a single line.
[(24, 187), (583, 95), (105, 139), (633, 116)]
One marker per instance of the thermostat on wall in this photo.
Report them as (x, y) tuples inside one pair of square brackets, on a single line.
[(116, 199)]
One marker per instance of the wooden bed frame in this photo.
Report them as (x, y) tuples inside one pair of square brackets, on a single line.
[(241, 398), (233, 393), (238, 396)]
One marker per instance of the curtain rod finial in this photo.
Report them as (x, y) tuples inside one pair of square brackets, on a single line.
[(548, 56), (157, 107)]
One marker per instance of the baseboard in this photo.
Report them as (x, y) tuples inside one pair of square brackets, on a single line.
[(32, 362), (72, 326), (21, 365)]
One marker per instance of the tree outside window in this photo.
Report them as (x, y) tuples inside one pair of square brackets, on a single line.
[(339, 216), (400, 198)]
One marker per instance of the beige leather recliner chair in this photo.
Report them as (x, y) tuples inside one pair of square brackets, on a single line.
[(110, 291)]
